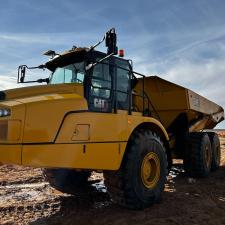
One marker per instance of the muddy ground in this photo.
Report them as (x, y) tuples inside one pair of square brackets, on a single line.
[(25, 198)]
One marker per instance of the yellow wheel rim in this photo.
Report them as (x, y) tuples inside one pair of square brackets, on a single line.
[(150, 170)]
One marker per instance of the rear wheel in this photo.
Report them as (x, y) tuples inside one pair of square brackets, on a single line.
[(67, 180), (142, 176), (216, 151), (198, 155)]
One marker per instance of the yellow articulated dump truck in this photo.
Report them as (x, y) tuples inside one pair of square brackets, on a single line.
[(95, 113)]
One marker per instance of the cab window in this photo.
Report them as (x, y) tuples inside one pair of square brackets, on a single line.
[(122, 82), (100, 97), (73, 73), (101, 81)]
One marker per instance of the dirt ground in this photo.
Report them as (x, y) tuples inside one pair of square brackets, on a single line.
[(25, 198)]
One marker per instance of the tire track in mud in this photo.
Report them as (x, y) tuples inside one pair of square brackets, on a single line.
[(25, 198), (30, 198)]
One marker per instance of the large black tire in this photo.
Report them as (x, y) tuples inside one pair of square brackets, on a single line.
[(198, 155), (67, 180), (129, 186), (216, 151)]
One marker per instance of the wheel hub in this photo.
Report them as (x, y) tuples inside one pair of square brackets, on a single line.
[(150, 170)]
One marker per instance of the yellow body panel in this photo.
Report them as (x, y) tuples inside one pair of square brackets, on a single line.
[(10, 154), (103, 127), (106, 137), (30, 92), (102, 156), (103, 149), (44, 115), (14, 123)]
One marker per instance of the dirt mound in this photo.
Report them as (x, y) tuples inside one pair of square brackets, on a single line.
[(25, 198)]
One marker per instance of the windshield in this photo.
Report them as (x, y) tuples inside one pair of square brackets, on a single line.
[(73, 73)]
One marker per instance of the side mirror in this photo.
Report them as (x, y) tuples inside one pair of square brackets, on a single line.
[(21, 73), (111, 42)]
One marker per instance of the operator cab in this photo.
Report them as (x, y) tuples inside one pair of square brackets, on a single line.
[(105, 85)]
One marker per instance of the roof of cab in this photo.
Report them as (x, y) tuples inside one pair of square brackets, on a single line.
[(66, 58)]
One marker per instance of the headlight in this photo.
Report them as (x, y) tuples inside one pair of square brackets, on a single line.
[(5, 112)]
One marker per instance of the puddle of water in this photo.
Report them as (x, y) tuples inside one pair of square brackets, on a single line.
[(175, 171), (100, 186)]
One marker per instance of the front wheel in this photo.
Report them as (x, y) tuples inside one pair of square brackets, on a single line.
[(142, 176), (67, 180)]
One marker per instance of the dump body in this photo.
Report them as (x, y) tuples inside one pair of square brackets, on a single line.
[(169, 102)]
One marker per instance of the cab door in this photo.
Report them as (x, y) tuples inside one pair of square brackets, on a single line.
[(100, 97)]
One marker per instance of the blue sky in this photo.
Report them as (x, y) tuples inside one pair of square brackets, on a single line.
[(182, 41)]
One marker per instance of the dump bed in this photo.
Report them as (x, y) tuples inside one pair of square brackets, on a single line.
[(173, 105)]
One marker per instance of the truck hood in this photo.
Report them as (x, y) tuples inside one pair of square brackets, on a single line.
[(18, 93)]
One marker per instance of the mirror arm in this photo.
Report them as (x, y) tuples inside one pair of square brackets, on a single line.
[(91, 65), (97, 44), (36, 81), (36, 67)]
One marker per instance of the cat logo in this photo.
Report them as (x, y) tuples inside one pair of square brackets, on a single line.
[(99, 103)]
